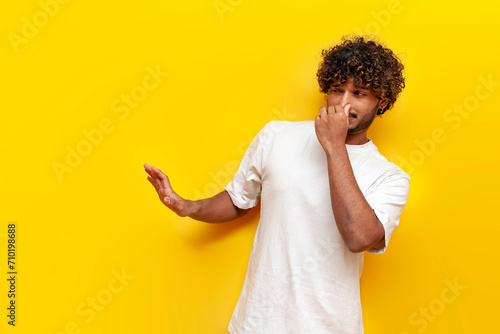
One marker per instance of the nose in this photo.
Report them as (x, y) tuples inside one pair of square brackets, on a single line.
[(346, 99)]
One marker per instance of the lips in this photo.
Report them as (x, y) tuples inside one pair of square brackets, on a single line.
[(353, 115)]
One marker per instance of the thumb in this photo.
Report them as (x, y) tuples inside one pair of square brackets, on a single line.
[(167, 197), (170, 200)]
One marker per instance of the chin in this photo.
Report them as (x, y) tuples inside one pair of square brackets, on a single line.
[(354, 131)]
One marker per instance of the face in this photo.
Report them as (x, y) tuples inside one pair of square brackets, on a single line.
[(364, 104)]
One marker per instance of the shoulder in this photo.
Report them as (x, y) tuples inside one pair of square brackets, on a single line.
[(287, 135), (390, 169), (391, 177), (283, 128), (373, 168)]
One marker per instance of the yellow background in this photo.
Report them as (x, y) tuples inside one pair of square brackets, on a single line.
[(229, 73)]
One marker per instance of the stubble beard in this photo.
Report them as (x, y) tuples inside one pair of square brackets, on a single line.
[(364, 123)]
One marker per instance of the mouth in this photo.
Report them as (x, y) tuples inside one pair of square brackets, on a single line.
[(352, 115)]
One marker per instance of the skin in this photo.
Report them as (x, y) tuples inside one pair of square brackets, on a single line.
[(216, 209), (350, 112)]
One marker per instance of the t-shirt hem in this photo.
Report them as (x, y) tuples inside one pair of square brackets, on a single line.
[(231, 329)]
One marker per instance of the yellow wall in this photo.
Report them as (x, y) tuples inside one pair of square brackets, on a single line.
[(221, 75)]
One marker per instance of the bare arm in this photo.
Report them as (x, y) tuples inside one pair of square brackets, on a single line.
[(355, 219), (216, 209)]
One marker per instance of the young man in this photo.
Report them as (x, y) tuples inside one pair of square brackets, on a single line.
[(327, 195)]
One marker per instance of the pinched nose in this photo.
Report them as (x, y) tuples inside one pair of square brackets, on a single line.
[(345, 100)]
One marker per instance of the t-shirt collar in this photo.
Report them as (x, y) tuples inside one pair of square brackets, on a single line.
[(366, 146)]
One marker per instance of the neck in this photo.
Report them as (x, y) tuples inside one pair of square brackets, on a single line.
[(356, 138)]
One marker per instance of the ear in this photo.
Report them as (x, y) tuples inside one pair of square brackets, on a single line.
[(383, 103)]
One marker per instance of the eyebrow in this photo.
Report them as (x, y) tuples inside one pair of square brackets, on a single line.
[(364, 88)]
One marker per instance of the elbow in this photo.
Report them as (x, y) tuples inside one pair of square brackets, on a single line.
[(242, 212), (363, 243), (357, 247)]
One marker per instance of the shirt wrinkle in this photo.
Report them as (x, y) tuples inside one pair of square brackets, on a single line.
[(301, 277)]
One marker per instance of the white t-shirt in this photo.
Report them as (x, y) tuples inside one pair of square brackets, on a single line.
[(301, 276)]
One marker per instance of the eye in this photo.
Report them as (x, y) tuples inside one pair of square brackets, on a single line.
[(359, 93)]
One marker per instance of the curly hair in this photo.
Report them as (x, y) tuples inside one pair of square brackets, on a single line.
[(369, 63)]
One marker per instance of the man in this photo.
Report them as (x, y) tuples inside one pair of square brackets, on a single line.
[(327, 195)]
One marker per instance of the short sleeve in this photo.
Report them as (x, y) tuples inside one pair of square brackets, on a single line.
[(387, 199), (245, 187)]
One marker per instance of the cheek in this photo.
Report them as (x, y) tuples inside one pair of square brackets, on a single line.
[(330, 100), (363, 106), (334, 100)]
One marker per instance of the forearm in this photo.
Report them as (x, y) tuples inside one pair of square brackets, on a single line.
[(216, 209), (355, 219)]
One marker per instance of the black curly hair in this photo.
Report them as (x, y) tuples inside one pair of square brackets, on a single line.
[(369, 63)]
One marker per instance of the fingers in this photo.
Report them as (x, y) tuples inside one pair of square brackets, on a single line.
[(152, 177), (165, 192), (346, 109), (322, 114), (153, 182), (338, 109), (156, 177), (322, 111), (164, 182), (334, 109), (148, 170)]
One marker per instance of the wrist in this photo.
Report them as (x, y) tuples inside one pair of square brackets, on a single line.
[(335, 149), (191, 207)]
